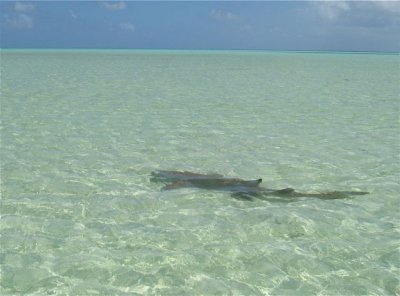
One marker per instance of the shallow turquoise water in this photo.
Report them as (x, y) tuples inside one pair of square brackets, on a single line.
[(82, 130)]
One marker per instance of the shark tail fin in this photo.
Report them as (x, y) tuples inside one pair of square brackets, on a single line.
[(285, 191)]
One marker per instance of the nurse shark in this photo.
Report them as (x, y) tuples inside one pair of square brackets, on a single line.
[(239, 188)]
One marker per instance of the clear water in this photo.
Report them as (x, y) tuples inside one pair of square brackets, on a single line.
[(82, 130)]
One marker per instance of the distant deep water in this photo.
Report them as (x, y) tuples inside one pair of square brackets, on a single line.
[(82, 130)]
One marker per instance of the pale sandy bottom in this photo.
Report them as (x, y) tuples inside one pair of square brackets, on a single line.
[(81, 132)]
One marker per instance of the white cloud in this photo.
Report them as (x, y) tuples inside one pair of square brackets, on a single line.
[(365, 14), (331, 10), (233, 22), (73, 14), (113, 5), (388, 6), (21, 17), (223, 15), (127, 26), (20, 21), (23, 7)]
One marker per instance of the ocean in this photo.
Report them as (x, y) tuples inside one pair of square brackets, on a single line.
[(81, 131)]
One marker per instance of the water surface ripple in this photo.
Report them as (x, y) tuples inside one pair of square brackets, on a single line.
[(82, 130)]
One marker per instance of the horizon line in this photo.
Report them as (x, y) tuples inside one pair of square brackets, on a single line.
[(204, 49)]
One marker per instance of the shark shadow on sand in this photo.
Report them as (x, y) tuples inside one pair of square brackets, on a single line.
[(239, 188)]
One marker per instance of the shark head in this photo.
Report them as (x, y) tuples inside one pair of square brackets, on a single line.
[(252, 183)]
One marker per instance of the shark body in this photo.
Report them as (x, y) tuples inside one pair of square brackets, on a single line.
[(239, 188)]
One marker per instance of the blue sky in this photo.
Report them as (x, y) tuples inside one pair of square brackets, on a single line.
[(271, 25)]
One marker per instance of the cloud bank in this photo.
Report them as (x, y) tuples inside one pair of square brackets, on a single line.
[(358, 13), (21, 18), (127, 26), (113, 6), (223, 15), (23, 7), (19, 21)]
